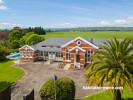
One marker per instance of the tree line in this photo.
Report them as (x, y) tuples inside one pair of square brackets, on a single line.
[(86, 29)]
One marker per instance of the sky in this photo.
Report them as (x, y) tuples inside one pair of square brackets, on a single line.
[(65, 13)]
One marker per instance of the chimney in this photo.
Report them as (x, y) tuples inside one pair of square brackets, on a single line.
[(91, 40)]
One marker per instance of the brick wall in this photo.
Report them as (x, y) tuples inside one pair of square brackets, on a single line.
[(33, 57), (83, 61)]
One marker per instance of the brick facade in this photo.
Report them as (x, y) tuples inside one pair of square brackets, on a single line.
[(83, 55), (77, 53), (30, 56)]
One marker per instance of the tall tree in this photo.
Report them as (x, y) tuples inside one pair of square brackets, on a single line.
[(24, 38), (13, 39), (112, 64), (39, 30), (34, 39)]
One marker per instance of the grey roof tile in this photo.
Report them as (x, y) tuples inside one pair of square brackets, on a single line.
[(60, 42)]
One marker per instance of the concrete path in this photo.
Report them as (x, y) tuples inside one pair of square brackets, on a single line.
[(66, 67), (37, 73)]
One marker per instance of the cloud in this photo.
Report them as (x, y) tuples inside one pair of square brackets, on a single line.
[(3, 7), (69, 25), (1, 1), (119, 22), (9, 25)]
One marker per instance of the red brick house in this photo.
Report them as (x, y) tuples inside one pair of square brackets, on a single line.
[(73, 51)]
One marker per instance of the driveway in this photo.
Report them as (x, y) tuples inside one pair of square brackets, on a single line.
[(37, 73)]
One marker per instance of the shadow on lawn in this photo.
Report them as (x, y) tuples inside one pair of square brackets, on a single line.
[(5, 60), (4, 85), (127, 99)]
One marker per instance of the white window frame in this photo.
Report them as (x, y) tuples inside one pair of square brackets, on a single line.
[(30, 53), (68, 58), (78, 42), (26, 53), (22, 53), (90, 53)]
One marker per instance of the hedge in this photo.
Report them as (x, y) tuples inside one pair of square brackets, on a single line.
[(65, 89)]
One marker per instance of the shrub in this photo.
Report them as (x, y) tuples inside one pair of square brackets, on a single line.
[(12, 51), (65, 89), (3, 51), (43, 58)]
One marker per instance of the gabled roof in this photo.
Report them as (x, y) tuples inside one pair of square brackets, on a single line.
[(77, 47), (87, 42), (27, 46), (55, 41)]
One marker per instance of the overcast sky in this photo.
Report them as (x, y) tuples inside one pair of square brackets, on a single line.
[(65, 13)]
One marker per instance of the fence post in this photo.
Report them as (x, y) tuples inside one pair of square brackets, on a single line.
[(25, 97)]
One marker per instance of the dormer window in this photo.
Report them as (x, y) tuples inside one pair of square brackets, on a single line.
[(79, 43)]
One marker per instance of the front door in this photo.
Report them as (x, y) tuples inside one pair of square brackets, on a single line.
[(77, 60), (51, 56)]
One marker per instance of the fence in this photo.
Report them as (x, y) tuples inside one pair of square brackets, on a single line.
[(6, 94), (30, 96)]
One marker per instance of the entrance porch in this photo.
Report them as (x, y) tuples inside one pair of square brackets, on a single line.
[(77, 57)]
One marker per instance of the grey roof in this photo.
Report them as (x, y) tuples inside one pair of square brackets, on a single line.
[(60, 42), (56, 41), (51, 42)]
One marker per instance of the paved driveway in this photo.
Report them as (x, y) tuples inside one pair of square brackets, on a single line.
[(37, 73)]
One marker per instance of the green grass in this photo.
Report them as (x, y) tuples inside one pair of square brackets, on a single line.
[(9, 74), (104, 35), (127, 95)]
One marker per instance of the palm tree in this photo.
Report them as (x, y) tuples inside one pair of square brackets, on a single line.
[(112, 65)]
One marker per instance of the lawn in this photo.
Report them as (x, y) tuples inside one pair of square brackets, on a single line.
[(9, 74), (127, 95), (104, 35)]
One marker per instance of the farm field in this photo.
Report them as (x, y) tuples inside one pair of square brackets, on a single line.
[(9, 74), (103, 35)]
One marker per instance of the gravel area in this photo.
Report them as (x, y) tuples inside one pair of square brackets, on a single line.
[(37, 73)]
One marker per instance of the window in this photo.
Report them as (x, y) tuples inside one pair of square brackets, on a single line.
[(78, 43), (30, 54), (22, 53), (46, 54), (57, 54), (40, 53), (89, 53), (26, 54), (67, 55)]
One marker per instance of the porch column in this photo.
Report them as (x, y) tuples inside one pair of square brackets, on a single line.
[(43, 53)]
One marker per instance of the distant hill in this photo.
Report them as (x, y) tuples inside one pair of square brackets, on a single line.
[(85, 29)]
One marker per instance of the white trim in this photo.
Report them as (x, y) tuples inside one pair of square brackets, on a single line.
[(71, 53), (88, 47), (89, 43), (77, 47), (81, 59), (27, 46), (78, 42), (82, 64), (68, 60), (88, 62)]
